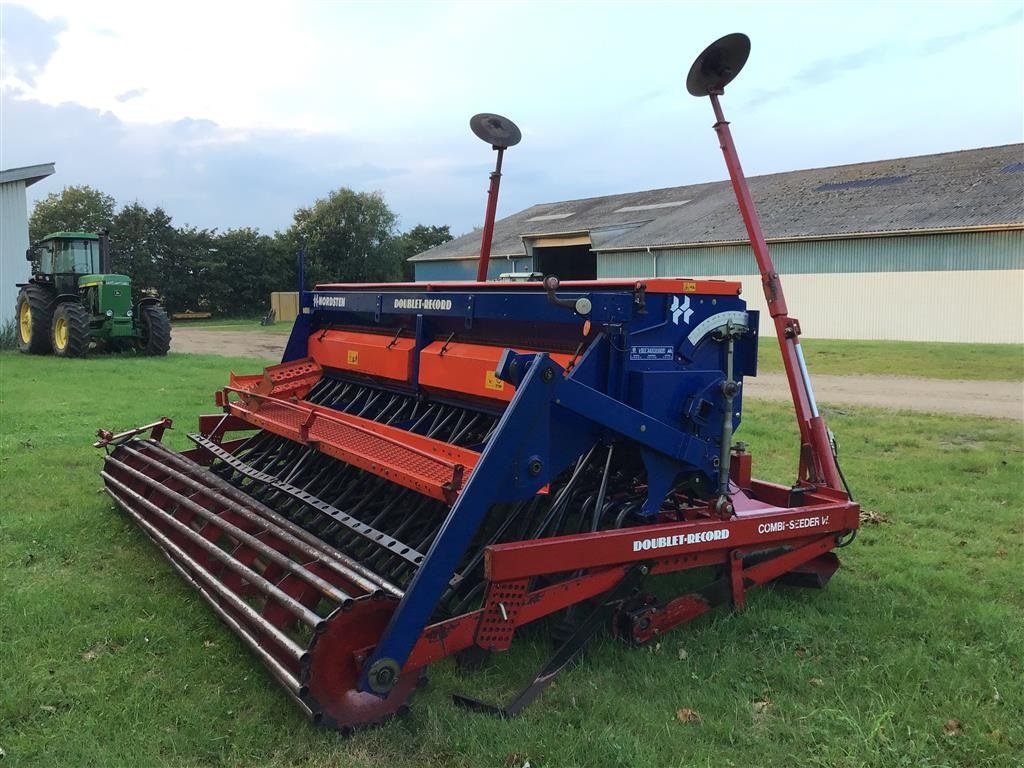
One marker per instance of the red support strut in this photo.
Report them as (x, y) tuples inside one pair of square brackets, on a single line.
[(492, 209), (817, 464)]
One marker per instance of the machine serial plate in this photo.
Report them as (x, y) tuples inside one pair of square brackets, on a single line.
[(651, 353)]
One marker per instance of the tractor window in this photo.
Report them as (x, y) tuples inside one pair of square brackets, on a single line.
[(45, 255), (84, 256)]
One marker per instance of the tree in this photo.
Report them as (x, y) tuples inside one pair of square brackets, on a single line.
[(185, 277), (73, 209), (349, 237), (142, 246), (243, 270), (417, 240)]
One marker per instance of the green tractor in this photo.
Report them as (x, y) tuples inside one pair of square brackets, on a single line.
[(72, 302)]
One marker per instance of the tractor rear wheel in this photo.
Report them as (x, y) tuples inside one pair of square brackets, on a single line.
[(34, 314), (156, 331), (70, 330)]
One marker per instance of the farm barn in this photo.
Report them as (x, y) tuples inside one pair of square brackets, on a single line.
[(927, 248), (14, 231)]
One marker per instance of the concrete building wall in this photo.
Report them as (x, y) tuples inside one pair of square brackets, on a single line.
[(963, 287), (13, 244)]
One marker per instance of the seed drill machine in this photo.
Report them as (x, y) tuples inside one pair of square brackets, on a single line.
[(434, 466)]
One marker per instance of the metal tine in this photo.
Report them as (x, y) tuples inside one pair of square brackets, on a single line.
[(234, 532), (273, 454), (562, 495), (602, 491), (478, 549), (506, 523), (340, 391), (310, 451), (443, 412), (379, 538), (462, 417), (285, 531), (369, 403), (327, 394), (382, 415), (399, 411), (400, 495), (469, 425), (354, 485), (320, 466), (406, 519), (255, 580), (421, 419), (448, 417), (317, 391), (350, 406), (355, 571), (319, 472), (490, 432)]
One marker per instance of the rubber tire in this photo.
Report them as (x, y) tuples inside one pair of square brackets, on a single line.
[(40, 303), (156, 330), (78, 329)]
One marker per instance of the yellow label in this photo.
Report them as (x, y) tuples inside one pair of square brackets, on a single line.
[(493, 382), (689, 287), (353, 357)]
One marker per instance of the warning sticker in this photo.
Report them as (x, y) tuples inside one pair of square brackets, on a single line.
[(651, 353), (353, 357), (493, 382)]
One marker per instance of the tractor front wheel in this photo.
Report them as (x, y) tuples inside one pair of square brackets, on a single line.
[(156, 331), (70, 330), (34, 313)]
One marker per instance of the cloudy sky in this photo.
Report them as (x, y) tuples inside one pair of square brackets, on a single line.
[(235, 113)]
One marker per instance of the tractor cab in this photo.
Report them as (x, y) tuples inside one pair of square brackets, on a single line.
[(62, 258), (73, 301)]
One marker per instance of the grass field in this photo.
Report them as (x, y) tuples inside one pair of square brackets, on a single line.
[(911, 657), (928, 360)]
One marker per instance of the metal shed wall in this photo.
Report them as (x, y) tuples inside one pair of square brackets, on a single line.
[(13, 243), (465, 269), (963, 287)]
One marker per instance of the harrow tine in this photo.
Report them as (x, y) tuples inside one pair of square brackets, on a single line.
[(299, 544), (568, 651), (369, 533)]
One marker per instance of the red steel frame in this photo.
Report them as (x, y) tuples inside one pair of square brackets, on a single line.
[(607, 555), (489, 214), (816, 461)]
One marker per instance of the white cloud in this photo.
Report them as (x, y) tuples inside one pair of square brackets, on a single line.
[(239, 112)]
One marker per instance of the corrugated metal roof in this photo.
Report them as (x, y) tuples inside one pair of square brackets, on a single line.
[(945, 191), (30, 174)]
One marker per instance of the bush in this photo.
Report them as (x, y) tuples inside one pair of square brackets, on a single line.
[(8, 339)]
